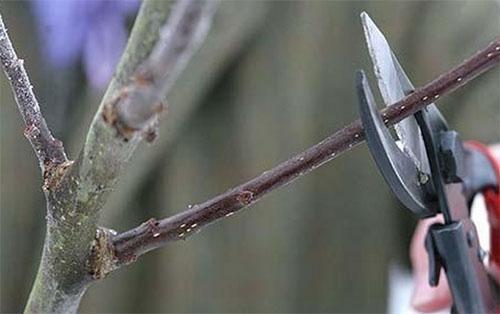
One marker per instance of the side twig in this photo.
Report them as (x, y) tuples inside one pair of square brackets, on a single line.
[(153, 234), (49, 150)]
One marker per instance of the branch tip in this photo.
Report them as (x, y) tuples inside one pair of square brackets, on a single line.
[(49, 150)]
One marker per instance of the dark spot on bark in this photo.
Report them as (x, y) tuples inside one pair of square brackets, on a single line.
[(245, 197), (151, 222), (31, 130), (128, 258), (151, 135), (108, 114), (53, 173), (152, 227)]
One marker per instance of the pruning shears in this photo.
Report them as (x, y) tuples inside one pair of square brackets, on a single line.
[(431, 171)]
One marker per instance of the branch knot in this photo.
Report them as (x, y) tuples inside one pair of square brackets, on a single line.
[(102, 258), (53, 173)]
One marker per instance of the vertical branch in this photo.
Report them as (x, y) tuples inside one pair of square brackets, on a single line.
[(49, 151), (74, 201)]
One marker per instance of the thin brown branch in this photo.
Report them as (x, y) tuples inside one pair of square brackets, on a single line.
[(49, 150), (141, 100), (153, 234)]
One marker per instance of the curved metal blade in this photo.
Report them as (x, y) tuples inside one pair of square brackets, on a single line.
[(397, 168), (394, 85)]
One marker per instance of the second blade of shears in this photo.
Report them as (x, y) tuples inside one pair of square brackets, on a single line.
[(394, 85)]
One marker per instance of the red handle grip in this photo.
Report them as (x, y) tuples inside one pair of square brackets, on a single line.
[(492, 198)]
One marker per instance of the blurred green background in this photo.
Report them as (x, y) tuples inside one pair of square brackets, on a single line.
[(272, 79)]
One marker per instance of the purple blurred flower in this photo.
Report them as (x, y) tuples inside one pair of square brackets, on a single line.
[(91, 30)]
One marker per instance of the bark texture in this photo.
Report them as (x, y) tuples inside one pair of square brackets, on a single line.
[(73, 253), (271, 80)]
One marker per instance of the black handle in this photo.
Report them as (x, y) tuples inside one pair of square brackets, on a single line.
[(457, 248)]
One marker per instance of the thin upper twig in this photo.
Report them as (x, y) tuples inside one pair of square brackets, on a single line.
[(153, 234), (180, 37), (49, 150)]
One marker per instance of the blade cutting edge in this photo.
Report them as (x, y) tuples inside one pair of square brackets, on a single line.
[(394, 85)]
